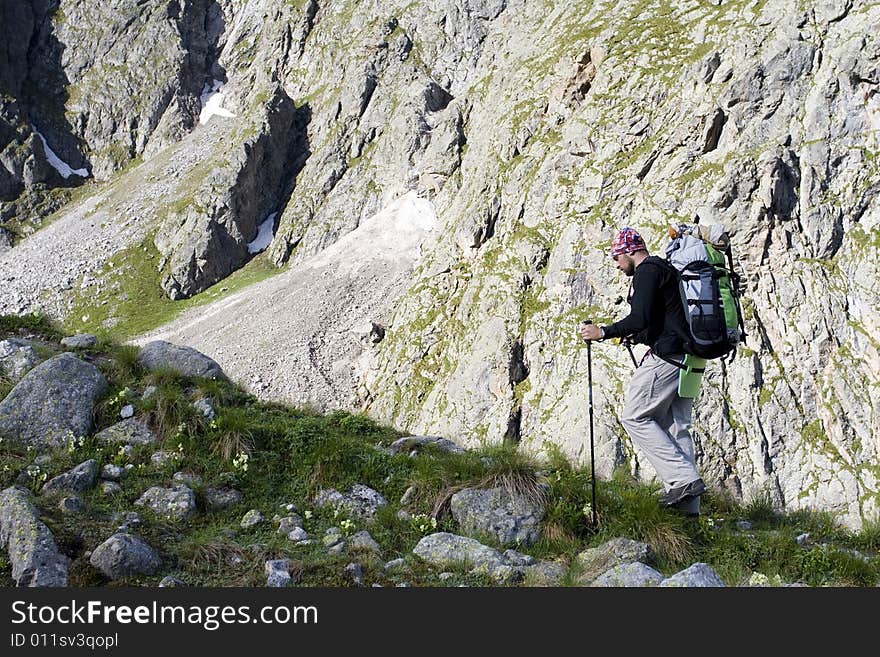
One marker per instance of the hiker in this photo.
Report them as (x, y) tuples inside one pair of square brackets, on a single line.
[(655, 416)]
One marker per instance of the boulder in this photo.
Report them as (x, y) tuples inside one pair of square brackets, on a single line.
[(443, 550), (616, 552), (360, 501), (17, 358), (176, 503), (698, 574), (410, 444), (32, 550), (161, 355), (629, 575), (79, 479), (514, 519), (124, 555), (82, 341), (129, 432), (54, 401)]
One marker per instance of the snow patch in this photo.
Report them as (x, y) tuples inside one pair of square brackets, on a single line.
[(264, 235), (61, 167), (212, 103)]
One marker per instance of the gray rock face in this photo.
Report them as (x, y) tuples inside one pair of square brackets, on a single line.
[(32, 550), (219, 499), (512, 518), (616, 552), (129, 432), (532, 136), (629, 575), (698, 574), (206, 408), (177, 503), (125, 555), (82, 341), (184, 360), (360, 500), (443, 550), (17, 358), (79, 479), (54, 399), (207, 239)]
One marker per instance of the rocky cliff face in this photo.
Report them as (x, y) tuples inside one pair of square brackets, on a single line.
[(535, 130)]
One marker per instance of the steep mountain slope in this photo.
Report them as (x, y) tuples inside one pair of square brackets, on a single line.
[(535, 130)]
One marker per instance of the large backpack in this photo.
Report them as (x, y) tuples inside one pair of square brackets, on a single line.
[(709, 288)]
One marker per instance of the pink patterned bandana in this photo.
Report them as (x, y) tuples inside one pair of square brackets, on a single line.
[(628, 240)]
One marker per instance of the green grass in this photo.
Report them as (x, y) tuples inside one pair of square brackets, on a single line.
[(132, 302), (295, 452)]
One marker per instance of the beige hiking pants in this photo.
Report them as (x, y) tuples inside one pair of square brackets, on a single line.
[(658, 420)]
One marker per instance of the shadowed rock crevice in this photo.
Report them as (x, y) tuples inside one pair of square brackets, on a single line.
[(208, 239)]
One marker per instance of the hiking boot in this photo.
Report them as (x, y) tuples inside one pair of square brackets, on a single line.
[(681, 493), (689, 507)]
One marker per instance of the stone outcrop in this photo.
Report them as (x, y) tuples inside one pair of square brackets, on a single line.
[(32, 550), (125, 555), (53, 402), (159, 355), (512, 519)]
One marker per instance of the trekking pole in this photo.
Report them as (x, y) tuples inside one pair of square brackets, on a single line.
[(592, 460)]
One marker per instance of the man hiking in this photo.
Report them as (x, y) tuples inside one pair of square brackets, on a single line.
[(655, 416)]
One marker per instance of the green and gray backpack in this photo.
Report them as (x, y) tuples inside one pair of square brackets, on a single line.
[(709, 288)]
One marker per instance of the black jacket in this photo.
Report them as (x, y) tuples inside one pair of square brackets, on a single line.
[(656, 315)]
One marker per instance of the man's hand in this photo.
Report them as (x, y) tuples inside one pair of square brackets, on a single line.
[(591, 332)]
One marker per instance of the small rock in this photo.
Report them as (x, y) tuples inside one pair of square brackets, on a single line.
[(149, 391), (404, 515), (112, 472), (803, 539), (126, 412), (363, 541), (43, 459), (168, 581), (394, 565), (446, 576), (277, 573), (743, 525), (331, 539), (288, 523), (354, 572), (408, 495), (110, 487), (79, 479), (219, 499), (338, 548), (252, 518), (206, 408), (545, 573), (71, 505), (298, 534), (81, 341)]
